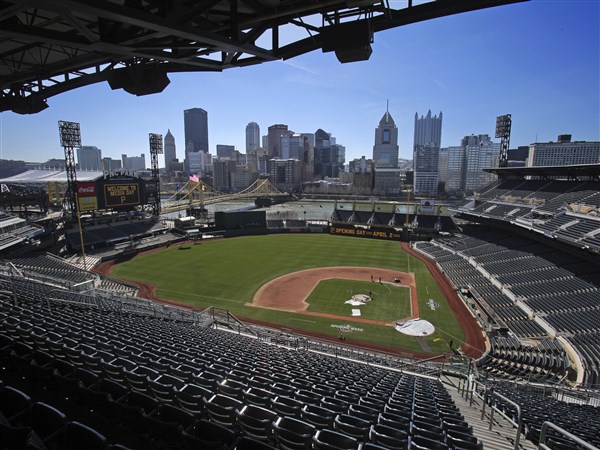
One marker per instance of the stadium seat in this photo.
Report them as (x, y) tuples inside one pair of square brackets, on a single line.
[(422, 443), (203, 434), (47, 421), (352, 426), (222, 409), (332, 440), (286, 406), (166, 424), (293, 434), (389, 437), (318, 416), (79, 436), (336, 405), (257, 396), (13, 403), (255, 421)]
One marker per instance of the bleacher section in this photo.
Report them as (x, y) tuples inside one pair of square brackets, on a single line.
[(565, 210), (14, 230), (532, 290), (420, 221), (120, 371), (539, 406), (110, 234), (63, 273)]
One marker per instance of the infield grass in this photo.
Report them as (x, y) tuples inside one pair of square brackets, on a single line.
[(388, 302), (226, 273)]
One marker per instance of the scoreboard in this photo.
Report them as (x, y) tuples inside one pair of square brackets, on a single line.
[(121, 194)]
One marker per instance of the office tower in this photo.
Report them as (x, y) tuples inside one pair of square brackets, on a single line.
[(225, 151), (385, 150), (170, 151), (195, 122), (285, 174), (442, 169), (454, 169), (479, 153), (563, 153), (298, 146), (426, 149), (329, 158), (252, 136), (276, 132), (134, 163), (110, 164), (89, 157)]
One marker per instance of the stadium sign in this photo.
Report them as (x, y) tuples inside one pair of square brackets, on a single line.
[(116, 195), (366, 232)]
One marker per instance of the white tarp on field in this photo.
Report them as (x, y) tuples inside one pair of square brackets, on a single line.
[(415, 327)]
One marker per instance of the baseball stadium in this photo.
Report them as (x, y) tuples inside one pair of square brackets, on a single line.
[(139, 315)]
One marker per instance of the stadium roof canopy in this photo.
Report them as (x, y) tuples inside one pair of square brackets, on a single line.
[(580, 170), (50, 176), (48, 47)]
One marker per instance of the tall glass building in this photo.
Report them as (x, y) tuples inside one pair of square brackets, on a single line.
[(252, 136), (426, 151), (195, 123)]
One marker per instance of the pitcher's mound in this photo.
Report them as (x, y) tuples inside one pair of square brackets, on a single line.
[(415, 327), (358, 300)]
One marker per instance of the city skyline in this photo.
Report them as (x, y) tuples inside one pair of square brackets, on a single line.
[(538, 61)]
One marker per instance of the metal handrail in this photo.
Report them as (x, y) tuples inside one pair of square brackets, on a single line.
[(542, 445), (494, 395)]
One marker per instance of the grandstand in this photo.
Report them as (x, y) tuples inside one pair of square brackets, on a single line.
[(86, 363)]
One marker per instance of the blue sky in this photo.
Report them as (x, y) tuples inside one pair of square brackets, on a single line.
[(539, 61)]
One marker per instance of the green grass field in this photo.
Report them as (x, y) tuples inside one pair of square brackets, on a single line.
[(226, 273), (388, 303)]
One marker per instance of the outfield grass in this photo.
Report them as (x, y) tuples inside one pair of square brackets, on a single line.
[(389, 302), (226, 273)]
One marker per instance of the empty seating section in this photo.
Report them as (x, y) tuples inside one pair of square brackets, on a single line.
[(501, 271), (538, 406), (388, 219), (113, 232), (54, 267), (509, 358), (566, 210), (122, 375)]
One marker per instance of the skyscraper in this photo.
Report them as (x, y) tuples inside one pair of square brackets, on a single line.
[(426, 150), (385, 150), (89, 157), (195, 122), (170, 151), (252, 136), (480, 153), (276, 132)]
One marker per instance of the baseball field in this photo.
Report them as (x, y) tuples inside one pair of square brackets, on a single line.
[(302, 283)]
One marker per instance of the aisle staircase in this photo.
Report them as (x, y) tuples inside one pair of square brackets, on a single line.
[(503, 433)]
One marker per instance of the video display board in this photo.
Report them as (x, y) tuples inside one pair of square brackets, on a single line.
[(121, 194)]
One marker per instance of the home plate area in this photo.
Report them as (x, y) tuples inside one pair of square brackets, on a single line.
[(415, 327)]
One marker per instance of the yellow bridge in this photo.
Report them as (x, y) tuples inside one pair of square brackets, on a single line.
[(194, 194)]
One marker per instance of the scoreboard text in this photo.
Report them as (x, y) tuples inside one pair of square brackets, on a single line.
[(116, 195)]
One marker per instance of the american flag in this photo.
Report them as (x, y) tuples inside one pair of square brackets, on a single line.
[(194, 178)]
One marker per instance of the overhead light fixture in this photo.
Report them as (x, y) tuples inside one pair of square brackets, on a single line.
[(23, 105), (139, 80), (351, 41)]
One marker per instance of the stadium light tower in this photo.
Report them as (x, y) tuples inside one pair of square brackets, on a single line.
[(503, 125), (70, 138), (156, 148)]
